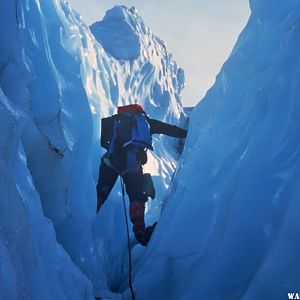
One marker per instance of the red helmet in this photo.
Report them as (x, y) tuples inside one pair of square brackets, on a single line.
[(132, 108)]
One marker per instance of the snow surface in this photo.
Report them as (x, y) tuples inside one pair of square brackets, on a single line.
[(117, 30), (230, 228), (57, 81)]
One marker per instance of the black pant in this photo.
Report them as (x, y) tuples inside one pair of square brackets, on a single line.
[(133, 183), (134, 189)]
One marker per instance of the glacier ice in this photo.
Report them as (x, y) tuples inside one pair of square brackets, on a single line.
[(33, 265), (229, 227), (232, 231), (58, 80), (118, 34)]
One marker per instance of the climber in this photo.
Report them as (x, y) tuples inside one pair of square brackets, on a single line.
[(127, 136)]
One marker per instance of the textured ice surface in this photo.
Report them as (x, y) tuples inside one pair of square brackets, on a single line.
[(33, 265), (230, 228), (118, 34), (57, 82)]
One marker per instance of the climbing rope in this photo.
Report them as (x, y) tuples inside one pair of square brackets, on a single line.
[(128, 241)]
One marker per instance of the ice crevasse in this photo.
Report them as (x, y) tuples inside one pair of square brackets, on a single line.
[(57, 81), (232, 231)]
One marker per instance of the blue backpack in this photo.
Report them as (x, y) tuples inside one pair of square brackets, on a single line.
[(130, 139)]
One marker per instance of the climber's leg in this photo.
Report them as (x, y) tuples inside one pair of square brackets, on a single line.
[(134, 189), (107, 179)]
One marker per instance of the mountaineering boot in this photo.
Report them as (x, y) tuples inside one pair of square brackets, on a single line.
[(142, 233), (144, 236), (148, 233), (100, 202)]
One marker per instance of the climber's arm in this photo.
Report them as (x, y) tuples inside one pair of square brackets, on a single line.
[(107, 128), (167, 129)]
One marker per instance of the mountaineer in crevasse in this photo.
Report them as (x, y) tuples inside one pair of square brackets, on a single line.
[(127, 136)]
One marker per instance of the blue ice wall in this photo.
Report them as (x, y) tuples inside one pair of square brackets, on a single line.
[(230, 229)]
